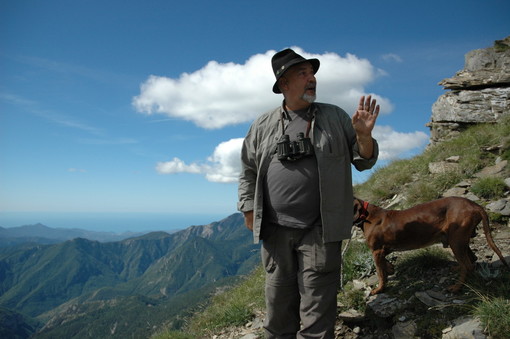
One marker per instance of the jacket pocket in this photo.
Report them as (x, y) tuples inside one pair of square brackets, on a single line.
[(328, 145)]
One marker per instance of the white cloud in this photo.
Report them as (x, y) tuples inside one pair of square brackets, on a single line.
[(393, 144), (176, 165), (391, 57), (222, 166), (219, 95)]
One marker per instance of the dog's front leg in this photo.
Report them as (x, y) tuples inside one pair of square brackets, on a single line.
[(380, 266)]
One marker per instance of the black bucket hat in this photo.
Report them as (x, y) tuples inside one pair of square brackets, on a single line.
[(283, 60)]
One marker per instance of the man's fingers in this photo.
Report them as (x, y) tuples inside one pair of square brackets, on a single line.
[(376, 112), (368, 103), (361, 103)]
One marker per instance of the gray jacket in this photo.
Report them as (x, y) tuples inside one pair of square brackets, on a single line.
[(334, 141)]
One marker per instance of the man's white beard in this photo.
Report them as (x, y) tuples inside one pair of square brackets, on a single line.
[(309, 98)]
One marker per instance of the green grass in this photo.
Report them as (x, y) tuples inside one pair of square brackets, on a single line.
[(234, 307), (494, 313), (357, 262), (489, 187)]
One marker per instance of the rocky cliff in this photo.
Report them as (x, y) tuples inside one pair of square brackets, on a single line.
[(480, 93)]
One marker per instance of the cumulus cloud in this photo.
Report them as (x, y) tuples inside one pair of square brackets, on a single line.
[(391, 57), (393, 144), (222, 94), (222, 166)]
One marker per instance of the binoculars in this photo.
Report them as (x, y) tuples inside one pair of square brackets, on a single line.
[(294, 150)]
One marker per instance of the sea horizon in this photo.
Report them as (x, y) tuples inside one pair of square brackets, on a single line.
[(116, 222)]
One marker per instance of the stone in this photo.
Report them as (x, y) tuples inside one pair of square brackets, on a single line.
[(455, 192), (351, 315), (428, 300), (437, 295), (463, 184), (472, 197), (443, 167), (383, 305), (501, 206), (492, 171), (250, 336), (404, 330), (454, 158), (468, 106), (507, 182), (465, 328), (483, 67)]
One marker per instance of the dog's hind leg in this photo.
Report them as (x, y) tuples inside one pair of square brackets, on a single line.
[(462, 253), (472, 255)]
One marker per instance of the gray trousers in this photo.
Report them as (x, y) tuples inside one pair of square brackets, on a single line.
[(302, 281)]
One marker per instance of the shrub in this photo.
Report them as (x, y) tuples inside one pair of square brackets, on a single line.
[(357, 262), (494, 313), (489, 187)]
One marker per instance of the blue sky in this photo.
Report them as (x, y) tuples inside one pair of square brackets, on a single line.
[(140, 106)]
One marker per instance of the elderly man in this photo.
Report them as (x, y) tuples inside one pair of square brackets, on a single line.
[(295, 191)]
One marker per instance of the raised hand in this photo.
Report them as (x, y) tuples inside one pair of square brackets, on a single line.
[(363, 120)]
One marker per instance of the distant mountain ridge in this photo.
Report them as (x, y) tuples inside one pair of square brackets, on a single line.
[(41, 234), (51, 282)]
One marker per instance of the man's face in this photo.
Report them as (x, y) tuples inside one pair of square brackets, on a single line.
[(299, 83)]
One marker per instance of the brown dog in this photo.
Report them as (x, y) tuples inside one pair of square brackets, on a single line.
[(451, 221)]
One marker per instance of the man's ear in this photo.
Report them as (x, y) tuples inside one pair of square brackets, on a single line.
[(282, 83)]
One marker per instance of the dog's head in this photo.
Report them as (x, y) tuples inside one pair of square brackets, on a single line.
[(360, 212)]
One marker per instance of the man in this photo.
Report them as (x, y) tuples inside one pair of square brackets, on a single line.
[(295, 190)]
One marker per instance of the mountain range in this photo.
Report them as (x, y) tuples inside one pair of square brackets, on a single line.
[(41, 234), (79, 287)]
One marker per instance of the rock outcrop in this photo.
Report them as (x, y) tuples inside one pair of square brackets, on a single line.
[(480, 93)]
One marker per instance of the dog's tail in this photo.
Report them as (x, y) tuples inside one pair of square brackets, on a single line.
[(488, 236)]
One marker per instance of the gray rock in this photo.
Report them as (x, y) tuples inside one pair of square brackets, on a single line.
[(501, 206), (455, 192), (464, 328), (507, 182), (250, 336), (442, 167), (483, 67), (428, 300), (404, 330), (468, 106), (492, 171), (384, 306), (480, 93)]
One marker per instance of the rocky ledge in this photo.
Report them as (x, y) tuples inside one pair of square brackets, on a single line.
[(480, 93)]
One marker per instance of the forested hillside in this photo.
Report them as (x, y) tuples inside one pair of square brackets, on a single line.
[(131, 286)]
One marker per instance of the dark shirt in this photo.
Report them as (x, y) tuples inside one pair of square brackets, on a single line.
[(292, 196)]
